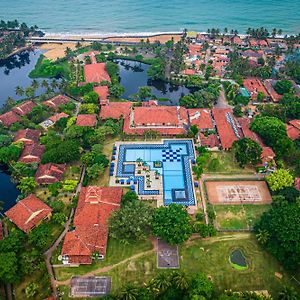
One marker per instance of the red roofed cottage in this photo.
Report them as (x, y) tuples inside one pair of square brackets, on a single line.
[(49, 173), (87, 120)]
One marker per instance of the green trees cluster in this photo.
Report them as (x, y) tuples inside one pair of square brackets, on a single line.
[(283, 87), (280, 179)]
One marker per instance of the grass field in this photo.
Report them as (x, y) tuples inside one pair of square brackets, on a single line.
[(236, 217), (211, 257), (224, 162)]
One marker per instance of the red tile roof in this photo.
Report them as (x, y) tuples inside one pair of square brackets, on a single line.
[(210, 141), (49, 173), (201, 117), (24, 108), (254, 86), (87, 120), (94, 207), (59, 116), (189, 72), (115, 110), (295, 123), (194, 49), (292, 132), (27, 136), (96, 73), (236, 40), (9, 118), (270, 89), (267, 154), (32, 153), (297, 184), (224, 128), (28, 213), (102, 91), (56, 101)]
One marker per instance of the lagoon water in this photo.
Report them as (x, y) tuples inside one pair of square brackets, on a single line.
[(8, 191), (134, 16)]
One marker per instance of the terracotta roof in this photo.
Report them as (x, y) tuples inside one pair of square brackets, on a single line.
[(87, 120), (94, 207), (254, 86), (269, 87), (28, 213), (267, 154), (251, 53), (194, 49), (115, 110), (9, 118), (102, 91), (236, 40), (189, 72), (27, 136), (49, 173), (32, 153), (292, 132), (59, 116), (210, 141), (297, 183), (224, 128), (295, 123), (96, 73), (56, 101), (24, 108), (201, 117)]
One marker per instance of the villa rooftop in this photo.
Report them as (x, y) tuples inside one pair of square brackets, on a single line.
[(24, 108), (9, 118), (96, 73), (27, 136)]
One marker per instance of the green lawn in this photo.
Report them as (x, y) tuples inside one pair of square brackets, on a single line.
[(210, 256), (238, 216), (224, 162), (116, 252)]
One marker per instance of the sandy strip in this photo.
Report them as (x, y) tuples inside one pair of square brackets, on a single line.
[(163, 38), (55, 51)]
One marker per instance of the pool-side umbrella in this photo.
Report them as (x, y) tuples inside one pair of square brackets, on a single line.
[(193, 161), (196, 184), (128, 181), (132, 187), (135, 181), (122, 181), (111, 173), (111, 168), (113, 157), (114, 152), (114, 147)]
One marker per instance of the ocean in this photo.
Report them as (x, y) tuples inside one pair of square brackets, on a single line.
[(152, 16)]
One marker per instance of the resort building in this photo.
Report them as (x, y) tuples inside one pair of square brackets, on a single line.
[(293, 129), (56, 101), (254, 86), (103, 94), (29, 213), (27, 136), (89, 120), (32, 153), (9, 118), (227, 126), (96, 73), (52, 120), (201, 117), (268, 83), (115, 110), (24, 109), (49, 173), (166, 120), (90, 235)]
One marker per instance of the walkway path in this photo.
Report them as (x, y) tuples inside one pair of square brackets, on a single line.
[(222, 102)]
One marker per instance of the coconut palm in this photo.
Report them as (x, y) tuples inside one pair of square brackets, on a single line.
[(288, 293), (35, 84), (29, 92), (53, 84), (180, 280), (129, 292), (161, 282), (19, 91), (45, 84), (263, 236)]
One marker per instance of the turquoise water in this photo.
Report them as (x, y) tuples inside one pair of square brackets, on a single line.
[(119, 16)]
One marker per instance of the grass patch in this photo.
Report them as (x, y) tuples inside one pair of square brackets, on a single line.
[(235, 217), (224, 162), (116, 252), (46, 68)]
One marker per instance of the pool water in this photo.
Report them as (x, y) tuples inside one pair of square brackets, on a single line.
[(238, 260), (175, 168)]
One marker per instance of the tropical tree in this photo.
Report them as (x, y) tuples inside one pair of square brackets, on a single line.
[(288, 293), (262, 236), (19, 91), (27, 185), (280, 179), (172, 224), (128, 292), (29, 92), (35, 84), (180, 280), (200, 286), (95, 170)]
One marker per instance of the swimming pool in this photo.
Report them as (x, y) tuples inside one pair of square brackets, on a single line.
[(171, 159)]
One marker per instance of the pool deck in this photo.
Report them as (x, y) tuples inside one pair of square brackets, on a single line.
[(155, 181)]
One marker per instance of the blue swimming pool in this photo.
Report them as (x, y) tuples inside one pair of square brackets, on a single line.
[(171, 159)]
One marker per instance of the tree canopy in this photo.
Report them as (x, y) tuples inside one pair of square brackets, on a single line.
[(280, 179)]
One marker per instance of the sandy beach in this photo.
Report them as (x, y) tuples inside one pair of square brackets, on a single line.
[(54, 51)]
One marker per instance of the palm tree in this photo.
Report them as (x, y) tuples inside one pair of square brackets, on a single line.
[(225, 30), (288, 293), (29, 92), (279, 31), (263, 236), (274, 32), (10, 102), (161, 282), (129, 292), (180, 280), (53, 84), (35, 84), (45, 84), (19, 91)]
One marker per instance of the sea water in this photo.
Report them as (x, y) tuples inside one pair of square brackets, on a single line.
[(138, 16)]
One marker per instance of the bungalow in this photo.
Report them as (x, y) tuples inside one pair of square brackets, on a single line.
[(254, 86), (96, 73), (49, 173), (56, 101), (268, 83), (115, 110), (297, 183), (9, 118), (32, 153), (166, 120), (227, 126), (89, 120), (201, 117), (24, 109), (29, 213), (95, 205), (210, 141), (58, 116), (236, 40), (27, 136), (103, 93), (293, 129)]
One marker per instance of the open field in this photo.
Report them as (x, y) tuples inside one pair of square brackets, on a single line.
[(224, 162), (210, 256), (54, 51), (237, 217), (238, 192)]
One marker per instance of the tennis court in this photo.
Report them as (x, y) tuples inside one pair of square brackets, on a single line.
[(167, 256)]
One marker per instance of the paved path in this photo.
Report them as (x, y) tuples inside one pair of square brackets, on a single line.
[(222, 102), (203, 200)]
